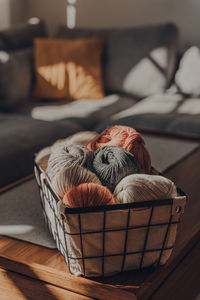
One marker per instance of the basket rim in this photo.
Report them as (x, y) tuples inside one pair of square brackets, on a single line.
[(118, 206)]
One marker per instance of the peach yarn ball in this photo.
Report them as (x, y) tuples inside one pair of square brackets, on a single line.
[(127, 138), (88, 194)]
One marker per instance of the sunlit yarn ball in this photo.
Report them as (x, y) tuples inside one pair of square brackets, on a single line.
[(68, 155), (143, 187), (72, 176), (42, 157), (83, 138), (111, 164), (88, 194), (127, 138)]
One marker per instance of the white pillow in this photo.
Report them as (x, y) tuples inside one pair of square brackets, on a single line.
[(188, 75)]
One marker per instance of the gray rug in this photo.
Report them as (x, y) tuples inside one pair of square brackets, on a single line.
[(20, 211), (21, 216), (167, 152)]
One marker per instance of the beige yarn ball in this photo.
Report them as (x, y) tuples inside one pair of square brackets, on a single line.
[(142, 187), (69, 177), (42, 157), (68, 155), (83, 138)]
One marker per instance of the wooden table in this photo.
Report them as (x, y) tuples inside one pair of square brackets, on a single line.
[(28, 271)]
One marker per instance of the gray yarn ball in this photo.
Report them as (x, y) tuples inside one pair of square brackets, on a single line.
[(68, 155), (111, 164)]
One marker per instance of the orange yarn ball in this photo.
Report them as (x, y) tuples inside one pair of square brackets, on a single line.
[(88, 194), (127, 138)]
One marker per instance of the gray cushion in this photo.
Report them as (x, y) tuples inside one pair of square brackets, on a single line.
[(2, 45), (21, 36), (170, 113), (187, 77), (16, 76), (137, 61), (87, 113), (21, 137)]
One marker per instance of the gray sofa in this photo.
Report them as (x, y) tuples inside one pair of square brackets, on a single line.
[(138, 64)]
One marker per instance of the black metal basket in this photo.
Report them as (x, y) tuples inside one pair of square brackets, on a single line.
[(106, 240)]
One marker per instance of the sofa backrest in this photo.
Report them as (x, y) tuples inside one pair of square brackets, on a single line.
[(16, 62), (137, 61), (22, 35)]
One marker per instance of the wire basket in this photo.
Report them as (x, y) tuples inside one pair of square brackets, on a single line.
[(106, 240)]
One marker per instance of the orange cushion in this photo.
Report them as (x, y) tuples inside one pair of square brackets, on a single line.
[(68, 69)]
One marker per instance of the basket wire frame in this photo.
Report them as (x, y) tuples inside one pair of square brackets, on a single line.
[(49, 198)]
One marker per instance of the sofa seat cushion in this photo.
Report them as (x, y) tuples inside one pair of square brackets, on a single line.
[(171, 113), (137, 61), (21, 137), (86, 113)]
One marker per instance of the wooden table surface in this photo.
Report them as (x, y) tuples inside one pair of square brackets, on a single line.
[(21, 262)]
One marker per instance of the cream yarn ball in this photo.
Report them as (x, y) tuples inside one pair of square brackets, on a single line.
[(142, 187), (68, 155), (73, 176), (82, 137), (42, 157)]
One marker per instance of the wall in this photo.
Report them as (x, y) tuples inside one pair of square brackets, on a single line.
[(4, 14), (113, 13), (103, 13), (12, 12), (18, 11)]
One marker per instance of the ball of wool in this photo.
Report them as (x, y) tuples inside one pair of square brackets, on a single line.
[(111, 164), (88, 194), (143, 187), (83, 138), (127, 138), (42, 157), (68, 155), (72, 176)]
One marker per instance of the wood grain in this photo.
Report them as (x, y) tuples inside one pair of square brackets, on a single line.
[(15, 183), (18, 287), (53, 270), (179, 285)]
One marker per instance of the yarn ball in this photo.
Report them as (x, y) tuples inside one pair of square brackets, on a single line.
[(127, 138), (72, 176), (68, 155), (83, 138), (42, 157), (88, 194), (111, 164), (143, 187)]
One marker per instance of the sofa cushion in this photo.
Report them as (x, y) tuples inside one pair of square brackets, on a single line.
[(21, 36), (21, 137), (171, 113), (137, 61), (187, 77), (68, 69), (87, 113), (16, 75), (2, 45)]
